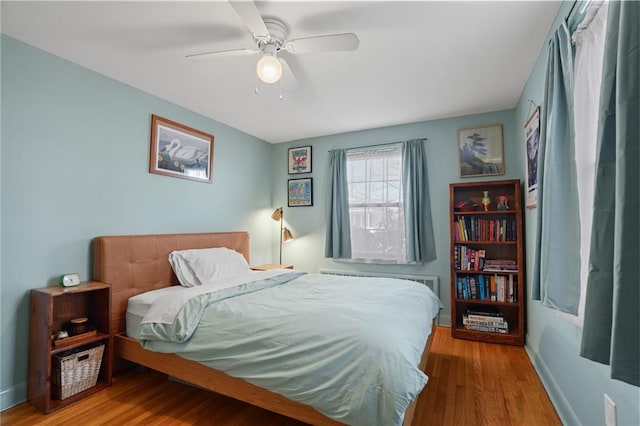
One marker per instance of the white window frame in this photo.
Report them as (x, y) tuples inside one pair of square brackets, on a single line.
[(360, 255)]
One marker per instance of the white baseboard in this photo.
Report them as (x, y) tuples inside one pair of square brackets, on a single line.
[(560, 403), (13, 396)]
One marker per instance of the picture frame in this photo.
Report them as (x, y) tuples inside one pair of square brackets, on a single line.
[(299, 160), (180, 151), (532, 141), (300, 192), (481, 151)]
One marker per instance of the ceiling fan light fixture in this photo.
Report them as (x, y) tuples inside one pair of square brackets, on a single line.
[(269, 68)]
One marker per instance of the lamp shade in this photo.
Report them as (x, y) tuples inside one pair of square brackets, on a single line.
[(287, 235), (277, 214), (269, 68)]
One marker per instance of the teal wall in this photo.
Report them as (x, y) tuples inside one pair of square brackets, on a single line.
[(576, 385), (75, 154)]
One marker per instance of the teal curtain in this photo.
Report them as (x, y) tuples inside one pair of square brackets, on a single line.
[(418, 227), (556, 273), (612, 317), (337, 231)]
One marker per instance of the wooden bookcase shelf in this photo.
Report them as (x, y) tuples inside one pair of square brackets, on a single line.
[(496, 236), (51, 308)]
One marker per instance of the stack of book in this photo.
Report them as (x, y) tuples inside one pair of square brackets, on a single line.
[(487, 321), (500, 265), (465, 206)]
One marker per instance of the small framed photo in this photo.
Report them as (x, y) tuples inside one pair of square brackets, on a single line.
[(180, 151), (481, 151), (300, 160), (532, 138), (300, 192)]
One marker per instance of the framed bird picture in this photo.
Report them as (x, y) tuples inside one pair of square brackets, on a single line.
[(300, 160), (180, 151)]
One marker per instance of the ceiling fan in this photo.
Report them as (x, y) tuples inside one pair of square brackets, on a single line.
[(270, 35)]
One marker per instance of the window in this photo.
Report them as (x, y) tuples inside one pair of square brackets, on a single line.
[(375, 205)]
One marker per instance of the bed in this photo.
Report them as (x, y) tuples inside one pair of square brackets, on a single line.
[(137, 264)]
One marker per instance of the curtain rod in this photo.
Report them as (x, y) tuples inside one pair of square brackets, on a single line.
[(379, 144), (568, 16), (571, 10)]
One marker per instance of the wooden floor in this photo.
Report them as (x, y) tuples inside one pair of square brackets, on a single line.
[(470, 383)]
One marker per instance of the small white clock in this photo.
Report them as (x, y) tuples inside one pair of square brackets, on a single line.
[(69, 280)]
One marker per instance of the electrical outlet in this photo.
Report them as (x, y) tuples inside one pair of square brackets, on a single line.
[(609, 411)]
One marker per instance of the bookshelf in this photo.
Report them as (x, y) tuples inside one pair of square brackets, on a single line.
[(487, 260)]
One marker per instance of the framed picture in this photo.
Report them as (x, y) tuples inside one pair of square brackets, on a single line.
[(300, 160), (180, 151), (300, 192), (532, 138), (480, 151)]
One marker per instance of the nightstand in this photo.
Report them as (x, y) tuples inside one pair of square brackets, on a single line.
[(269, 266), (51, 310)]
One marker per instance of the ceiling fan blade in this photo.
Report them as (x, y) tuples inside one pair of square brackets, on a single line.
[(251, 17), (289, 80), (222, 54), (325, 43)]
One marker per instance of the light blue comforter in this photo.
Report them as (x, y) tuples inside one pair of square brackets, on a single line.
[(347, 346)]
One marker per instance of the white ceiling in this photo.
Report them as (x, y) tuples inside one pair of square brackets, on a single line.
[(417, 61)]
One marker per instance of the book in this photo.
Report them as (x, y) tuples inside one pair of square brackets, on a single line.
[(481, 259), (490, 311), (473, 287), (461, 229), (497, 324), (510, 289), (500, 288), (492, 288), (465, 288), (487, 329)]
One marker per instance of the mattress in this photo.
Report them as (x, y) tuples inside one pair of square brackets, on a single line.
[(139, 305)]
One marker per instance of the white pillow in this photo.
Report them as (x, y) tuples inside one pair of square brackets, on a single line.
[(204, 266)]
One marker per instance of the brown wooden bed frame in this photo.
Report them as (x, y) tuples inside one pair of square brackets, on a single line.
[(133, 264)]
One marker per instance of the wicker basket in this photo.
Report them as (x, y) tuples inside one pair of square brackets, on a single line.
[(75, 371)]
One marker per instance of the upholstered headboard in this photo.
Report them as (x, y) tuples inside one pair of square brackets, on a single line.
[(133, 264)]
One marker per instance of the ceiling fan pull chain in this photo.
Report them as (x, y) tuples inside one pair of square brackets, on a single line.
[(256, 91), (281, 95)]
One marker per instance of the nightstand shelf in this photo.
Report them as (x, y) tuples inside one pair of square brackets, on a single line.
[(79, 343), (51, 310)]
